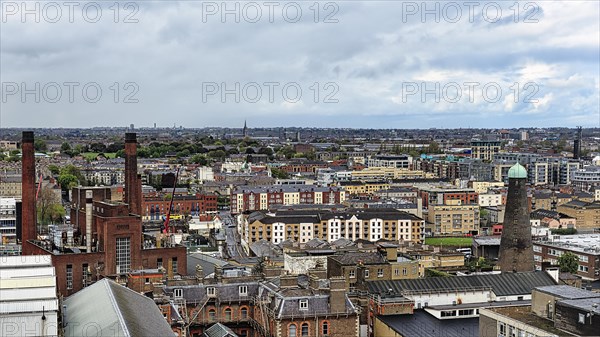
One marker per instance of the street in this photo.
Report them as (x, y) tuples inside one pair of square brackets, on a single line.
[(232, 237)]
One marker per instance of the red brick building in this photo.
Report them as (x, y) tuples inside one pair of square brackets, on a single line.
[(107, 235), (153, 208)]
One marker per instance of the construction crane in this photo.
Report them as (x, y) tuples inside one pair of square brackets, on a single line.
[(168, 218)]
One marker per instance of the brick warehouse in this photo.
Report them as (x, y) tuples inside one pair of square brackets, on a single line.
[(109, 242)]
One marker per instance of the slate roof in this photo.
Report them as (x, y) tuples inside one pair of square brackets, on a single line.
[(113, 310), (225, 291), (219, 330), (207, 262), (286, 302), (423, 324), (352, 258), (504, 284)]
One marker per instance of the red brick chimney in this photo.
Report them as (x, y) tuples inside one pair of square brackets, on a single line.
[(132, 188), (28, 219)]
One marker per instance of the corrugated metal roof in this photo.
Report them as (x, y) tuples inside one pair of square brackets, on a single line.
[(28, 306), (113, 310), (502, 284)]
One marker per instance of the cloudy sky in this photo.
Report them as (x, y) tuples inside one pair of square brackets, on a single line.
[(379, 64)]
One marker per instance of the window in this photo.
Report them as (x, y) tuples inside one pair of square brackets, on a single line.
[(366, 273), (379, 272), (178, 293), (501, 330), (210, 291), (581, 318), (227, 313), (404, 271), (352, 273), (159, 263), (304, 329), (292, 330), (174, 265), (123, 248), (325, 328), (212, 314), (244, 313), (84, 278), (303, 304), (397, 272), (69, 276), (243, 290)]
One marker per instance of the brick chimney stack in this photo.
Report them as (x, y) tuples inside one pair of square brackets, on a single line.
[(28, 220), (132, 183)]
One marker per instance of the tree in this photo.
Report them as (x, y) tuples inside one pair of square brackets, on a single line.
[(568, 263), (55, 170), (49, 209), (279, 173), (65, 147), (199, 159), (40, 145)]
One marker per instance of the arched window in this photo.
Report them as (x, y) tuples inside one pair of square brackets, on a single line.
[(304, 329), (212, 314), (292, 330), (244, 313), (227, 314), (325, 328)]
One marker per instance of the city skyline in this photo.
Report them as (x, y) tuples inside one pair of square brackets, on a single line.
[(373, 64)]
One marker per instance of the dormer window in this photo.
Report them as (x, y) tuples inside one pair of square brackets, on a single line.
[(243, 290), (210, 291), (178, 293), (303, 304)]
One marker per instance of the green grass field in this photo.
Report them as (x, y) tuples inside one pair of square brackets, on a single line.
[(93, 155), (463, 242)]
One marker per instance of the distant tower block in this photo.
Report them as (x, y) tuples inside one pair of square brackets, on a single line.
[(516, 249)]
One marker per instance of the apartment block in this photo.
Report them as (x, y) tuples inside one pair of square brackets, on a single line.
[(354, 224), (263, 197), (454, 218)]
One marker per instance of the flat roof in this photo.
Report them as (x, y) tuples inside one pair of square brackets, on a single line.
[(523, 314), (568, 292), (422, 324), (480, 305), (585, 304), (582, 243)]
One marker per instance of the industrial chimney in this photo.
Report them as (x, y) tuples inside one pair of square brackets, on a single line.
[(132, 183), (28, 219)]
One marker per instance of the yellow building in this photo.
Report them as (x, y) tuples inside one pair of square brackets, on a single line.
[(453, 218), (587, 214), (385, 173), (483, 186), (364, 187)]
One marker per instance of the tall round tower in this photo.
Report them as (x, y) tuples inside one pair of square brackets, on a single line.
[(516, 249)]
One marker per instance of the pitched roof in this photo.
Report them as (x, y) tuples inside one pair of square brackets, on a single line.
[(219, 330), (502, 284), (113, 310)]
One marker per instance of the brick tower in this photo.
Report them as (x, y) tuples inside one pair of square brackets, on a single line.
[(516, 249)]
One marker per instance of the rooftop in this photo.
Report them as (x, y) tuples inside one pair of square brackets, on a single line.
[(568, 292), (581, 243), (523, 314), (423, 324)]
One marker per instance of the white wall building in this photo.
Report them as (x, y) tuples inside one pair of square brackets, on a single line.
[(28, 301), (205, 173), (8, 221)]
